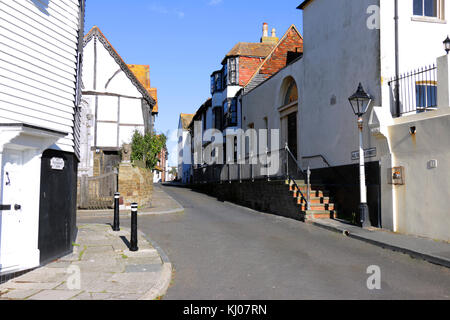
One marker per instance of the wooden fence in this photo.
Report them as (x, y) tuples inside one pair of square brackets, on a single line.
[(97, 192)]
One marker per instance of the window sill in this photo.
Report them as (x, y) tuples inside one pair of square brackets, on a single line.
[(428, 19)]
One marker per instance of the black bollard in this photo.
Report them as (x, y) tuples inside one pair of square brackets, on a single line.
[(134, 236), (116, 226)]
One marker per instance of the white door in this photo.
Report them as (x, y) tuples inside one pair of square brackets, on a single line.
[(12, 224)]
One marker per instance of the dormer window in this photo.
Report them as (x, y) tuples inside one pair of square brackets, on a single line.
[(428, 8)]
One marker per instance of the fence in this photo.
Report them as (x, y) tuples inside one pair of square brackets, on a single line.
[(415, 91), (97, 192), (273, 165)]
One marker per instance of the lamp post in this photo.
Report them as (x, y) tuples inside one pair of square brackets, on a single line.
[(360, 102), (447, 44)]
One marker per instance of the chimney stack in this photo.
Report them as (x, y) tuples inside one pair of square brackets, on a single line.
[(265, 30), (265, 37)]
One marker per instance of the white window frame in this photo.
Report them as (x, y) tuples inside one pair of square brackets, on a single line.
[(440, 18)]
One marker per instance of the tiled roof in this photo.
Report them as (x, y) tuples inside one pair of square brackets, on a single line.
[(142, 73), (186, 120), (251, 49), (259, 78)]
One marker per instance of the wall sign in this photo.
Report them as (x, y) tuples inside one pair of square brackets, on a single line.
[(368, 153), (57, 164)]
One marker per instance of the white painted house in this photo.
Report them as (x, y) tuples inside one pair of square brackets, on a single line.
[(40, 64), (117, 100), (184, 148)]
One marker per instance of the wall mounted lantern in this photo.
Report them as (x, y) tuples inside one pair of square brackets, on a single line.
[(447, 44)]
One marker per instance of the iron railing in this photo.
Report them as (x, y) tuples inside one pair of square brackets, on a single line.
[(414, 92), (259, 167)]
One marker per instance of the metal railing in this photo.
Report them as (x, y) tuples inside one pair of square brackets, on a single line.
[(259, 167), (298, 168), (414, 92)]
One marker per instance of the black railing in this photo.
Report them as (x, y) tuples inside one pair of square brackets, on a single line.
[(260, 167), (414, 92)]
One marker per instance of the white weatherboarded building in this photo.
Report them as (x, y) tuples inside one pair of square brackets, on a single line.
[(117, 101), (40, 63)]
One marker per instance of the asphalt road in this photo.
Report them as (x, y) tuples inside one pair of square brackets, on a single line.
[(223, 251)]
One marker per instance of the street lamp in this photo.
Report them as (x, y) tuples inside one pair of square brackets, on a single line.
[(360, 102), (447, 44)]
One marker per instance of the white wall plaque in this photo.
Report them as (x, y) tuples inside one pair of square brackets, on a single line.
[(57, 164)]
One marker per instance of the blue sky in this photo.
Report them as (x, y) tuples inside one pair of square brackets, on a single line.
[(184, 42)]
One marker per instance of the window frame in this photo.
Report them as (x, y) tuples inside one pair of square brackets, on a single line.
[(440, 12)]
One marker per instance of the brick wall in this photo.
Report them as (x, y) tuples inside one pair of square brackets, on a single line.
[(135, 185), (247, 67), (292, 42)]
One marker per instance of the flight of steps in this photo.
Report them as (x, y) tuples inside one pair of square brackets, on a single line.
[(321, 205)]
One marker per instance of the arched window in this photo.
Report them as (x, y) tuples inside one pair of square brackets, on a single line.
[(291, 93)]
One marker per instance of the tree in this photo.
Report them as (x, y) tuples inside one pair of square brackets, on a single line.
[(147, 147)]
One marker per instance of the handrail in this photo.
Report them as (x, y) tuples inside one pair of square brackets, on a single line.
[(308, 175), (295, 159), (319, 156), (299, 190)]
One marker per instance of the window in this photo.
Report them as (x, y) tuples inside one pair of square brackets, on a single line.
[(204, 122), (427, 8), (291, 94), (230, 112), (218, 118), (233, 73), (426, 95), (216, 82), (225, 76)]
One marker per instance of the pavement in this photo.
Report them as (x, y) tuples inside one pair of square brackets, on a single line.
[(100, 268), (434, 251)]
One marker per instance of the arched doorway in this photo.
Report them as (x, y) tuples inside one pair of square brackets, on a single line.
[(289, 115)]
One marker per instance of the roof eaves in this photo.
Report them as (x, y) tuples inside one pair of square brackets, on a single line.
[(304, 4)]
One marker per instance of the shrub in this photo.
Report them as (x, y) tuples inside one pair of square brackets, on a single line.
[(147, 147)]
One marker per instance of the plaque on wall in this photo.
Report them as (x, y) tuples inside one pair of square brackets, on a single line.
[(368, 153), (57, 164)]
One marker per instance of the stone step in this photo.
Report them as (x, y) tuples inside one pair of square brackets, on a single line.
[(311, 215), (318, 207), (315, 200)]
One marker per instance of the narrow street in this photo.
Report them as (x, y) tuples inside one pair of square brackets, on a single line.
[(222, 251)]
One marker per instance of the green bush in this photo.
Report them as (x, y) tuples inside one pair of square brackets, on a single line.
[(147, 147)]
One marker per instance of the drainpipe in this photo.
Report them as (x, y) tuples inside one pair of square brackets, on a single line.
[(397, 67)]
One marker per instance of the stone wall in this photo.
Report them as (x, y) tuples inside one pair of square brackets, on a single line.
[(135, 185), (270, 197)]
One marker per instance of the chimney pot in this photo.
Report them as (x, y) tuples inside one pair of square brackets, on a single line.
[(265, 30), (274, 33)]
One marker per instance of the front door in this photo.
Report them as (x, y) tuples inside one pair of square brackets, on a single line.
[(292, 133), (12, 224)]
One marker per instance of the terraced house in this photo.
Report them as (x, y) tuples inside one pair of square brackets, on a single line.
[(41, 45)]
